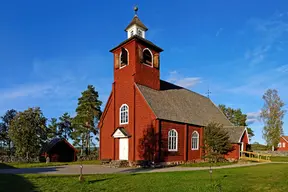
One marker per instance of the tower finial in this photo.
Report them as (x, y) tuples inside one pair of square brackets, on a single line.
[(135, 10)]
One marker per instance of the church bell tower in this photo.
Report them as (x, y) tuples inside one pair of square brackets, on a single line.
[(137, 60)]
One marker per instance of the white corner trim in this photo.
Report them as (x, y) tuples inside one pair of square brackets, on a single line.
[(284, 138), (245, 130)]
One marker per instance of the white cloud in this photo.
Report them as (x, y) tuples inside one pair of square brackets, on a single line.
[(32, 90), (257, 55), (219, 31), (58, 83), (282, 69), (271, 33), (253, 117), (186, 82)]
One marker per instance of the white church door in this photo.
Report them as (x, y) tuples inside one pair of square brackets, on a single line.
[(123, 148)]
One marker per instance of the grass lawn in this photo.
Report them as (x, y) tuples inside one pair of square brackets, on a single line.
[(31, 165), (206, 164), (268, 177), (279, 158)]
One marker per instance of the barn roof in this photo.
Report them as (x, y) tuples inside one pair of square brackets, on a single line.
[(53, 142), (235, 132), (178, 104)]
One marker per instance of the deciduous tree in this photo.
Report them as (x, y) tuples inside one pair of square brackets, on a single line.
[(28, 132), (272, 114)]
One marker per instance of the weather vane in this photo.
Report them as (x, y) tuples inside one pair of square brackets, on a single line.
[(135, 10)]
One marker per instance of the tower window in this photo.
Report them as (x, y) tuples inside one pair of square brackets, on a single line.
[(139, 32), (123, 57), (131, 33), (147, 57)]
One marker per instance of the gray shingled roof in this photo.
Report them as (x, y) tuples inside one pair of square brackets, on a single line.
[(178, 104), (234, 132)]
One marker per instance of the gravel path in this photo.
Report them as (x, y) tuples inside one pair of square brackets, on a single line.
[(98, 169)]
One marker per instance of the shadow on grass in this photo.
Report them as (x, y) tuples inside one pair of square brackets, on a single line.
[(98, 180), (11, 182), (29, 170), (5, 166)]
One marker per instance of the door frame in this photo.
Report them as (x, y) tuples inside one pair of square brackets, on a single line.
[(125, 141)]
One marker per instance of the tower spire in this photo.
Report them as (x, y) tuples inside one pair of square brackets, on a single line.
[(136, 27)]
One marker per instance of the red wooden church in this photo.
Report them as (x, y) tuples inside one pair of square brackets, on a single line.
[(146, 118)]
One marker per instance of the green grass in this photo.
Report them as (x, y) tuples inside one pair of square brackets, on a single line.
[(279, 158), (268, 177), (31, 165), (206, 164)]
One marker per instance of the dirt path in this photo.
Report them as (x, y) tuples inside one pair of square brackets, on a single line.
[(98, 169)]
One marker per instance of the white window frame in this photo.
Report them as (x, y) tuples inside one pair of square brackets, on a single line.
[(120, 67), (152, 57), (192, 147), (283, 144), (279, 145), (172, 138), (120, 114)]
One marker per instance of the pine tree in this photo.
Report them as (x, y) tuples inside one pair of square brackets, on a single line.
[(216, 142), (5, 126), (65, 126), (52, 130), (86, 120)]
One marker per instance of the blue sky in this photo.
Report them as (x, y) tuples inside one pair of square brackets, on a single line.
[(51, 50)]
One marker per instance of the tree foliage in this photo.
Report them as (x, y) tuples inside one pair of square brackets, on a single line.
[(237, 118), (28, 132), (216, 142), (5, 126), (272, 114), (87, 117), (65, 126), (52, 129)]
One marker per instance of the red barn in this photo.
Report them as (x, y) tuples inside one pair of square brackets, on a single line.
[(146, 118), (283, 144)]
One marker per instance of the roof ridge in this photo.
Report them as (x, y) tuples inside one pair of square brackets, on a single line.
[(201, 96), (185, 89)]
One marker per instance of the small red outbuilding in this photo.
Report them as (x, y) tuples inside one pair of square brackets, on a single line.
[(59, 150)]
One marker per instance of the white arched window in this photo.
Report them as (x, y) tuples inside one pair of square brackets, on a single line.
[(147, 57), (195, 140), (124, 113), (172, 140), (124, 57)]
